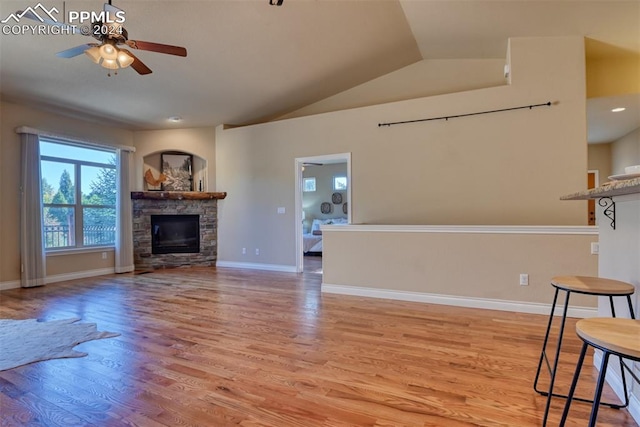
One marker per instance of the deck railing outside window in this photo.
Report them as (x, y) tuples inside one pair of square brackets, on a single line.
[(61, 235)]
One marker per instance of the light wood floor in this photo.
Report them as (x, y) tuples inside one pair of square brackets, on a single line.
[(201, 347), (312, 264)]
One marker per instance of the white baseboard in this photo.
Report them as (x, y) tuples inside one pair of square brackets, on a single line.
[(126, 269), (257, 266), (615, 381), (79, 275), (490, 304), (9, 284), (14, 284)]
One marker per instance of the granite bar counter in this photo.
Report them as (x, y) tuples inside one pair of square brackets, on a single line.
[(610, 189)]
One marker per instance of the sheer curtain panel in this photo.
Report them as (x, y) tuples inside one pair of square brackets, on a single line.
[(124, 217), (32, 252)]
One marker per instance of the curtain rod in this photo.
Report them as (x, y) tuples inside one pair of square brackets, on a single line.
[(546, 104), (34, 131)]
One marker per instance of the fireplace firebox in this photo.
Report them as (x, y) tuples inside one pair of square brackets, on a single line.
[(175, 234)]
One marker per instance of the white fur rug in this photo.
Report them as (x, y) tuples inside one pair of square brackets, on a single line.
[(28, 341)]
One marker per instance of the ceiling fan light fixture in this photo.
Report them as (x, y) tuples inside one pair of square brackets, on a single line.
[(108, 51), (110, 64), (124, 59), (94, 54)]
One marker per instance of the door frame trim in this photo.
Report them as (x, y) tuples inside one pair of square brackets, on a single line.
[(299, 164)]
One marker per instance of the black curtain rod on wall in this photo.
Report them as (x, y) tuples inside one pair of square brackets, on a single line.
[(546, 104)]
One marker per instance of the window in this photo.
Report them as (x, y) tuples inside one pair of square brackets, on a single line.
[(339, 183), (309, 184), (78, 194)]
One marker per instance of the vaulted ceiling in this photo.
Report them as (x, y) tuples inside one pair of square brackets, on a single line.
[(249, 61)]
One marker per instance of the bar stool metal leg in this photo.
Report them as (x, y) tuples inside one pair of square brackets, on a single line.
[(631, 312), (557, 357), (599, 387), (543, 353), (574, 383)]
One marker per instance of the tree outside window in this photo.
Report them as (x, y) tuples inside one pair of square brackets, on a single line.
[(78, 195)]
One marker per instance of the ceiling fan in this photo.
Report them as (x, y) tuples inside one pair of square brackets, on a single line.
[(111, 35)]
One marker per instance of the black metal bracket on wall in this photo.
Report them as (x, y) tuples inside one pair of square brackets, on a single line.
[(609, 209)]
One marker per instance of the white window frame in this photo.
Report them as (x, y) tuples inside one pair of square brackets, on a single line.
[(335, 177), (77, 206), (304, 184)]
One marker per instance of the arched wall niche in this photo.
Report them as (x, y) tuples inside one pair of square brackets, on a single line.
[(153, 162), (199, 142)]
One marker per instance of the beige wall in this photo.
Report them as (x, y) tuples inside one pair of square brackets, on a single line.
[(613, 75), (11, 117), (599, 158), (625, 152), (79, 263), (428, 77), (503, 168), (324, 189), (431, 263), (200, 142)]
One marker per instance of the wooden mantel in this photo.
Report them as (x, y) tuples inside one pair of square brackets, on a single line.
[(177, 195)]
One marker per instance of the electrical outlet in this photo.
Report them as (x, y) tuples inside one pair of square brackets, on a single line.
[(524, 279), (104, 255), (244, 251), (257, 251), (595, 248)]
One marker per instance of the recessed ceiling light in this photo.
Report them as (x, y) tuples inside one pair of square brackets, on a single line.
[(175, 119), (617, 110)]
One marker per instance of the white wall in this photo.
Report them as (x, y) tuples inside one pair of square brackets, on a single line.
[(625, 152), (619, 255)]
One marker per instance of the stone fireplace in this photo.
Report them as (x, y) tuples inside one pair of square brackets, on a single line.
[(166, 225)]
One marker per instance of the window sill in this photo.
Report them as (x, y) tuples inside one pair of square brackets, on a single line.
[(74, 251)]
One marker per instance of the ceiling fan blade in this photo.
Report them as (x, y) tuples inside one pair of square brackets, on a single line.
[(138, 65), (111, 9), (30, 15), (157, 47), (75, 51)]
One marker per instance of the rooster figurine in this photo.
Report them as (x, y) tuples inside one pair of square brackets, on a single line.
[(153, 182)]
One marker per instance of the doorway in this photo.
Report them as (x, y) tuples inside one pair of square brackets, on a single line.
[(336, 206)]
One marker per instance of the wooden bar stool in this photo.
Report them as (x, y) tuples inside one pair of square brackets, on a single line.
[(620, 337), (580, 285)]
